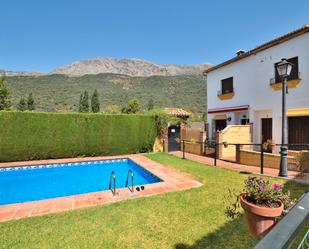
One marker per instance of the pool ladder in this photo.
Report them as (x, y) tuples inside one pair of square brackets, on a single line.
[(130, 173), (112, 181)]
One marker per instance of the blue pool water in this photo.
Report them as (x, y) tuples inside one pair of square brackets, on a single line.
[(29, 183)]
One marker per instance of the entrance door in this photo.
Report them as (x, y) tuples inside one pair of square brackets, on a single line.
[(173, 138), (298, 132), (220, 124), (267, 129)]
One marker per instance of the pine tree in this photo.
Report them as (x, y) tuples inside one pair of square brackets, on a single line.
[(30, 103), (22, 105), (84, 102), (80, 103), (150, 104), (4, 95), (95, 103)]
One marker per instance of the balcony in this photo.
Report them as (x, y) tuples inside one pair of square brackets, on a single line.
[(291, 83), (226, 94)]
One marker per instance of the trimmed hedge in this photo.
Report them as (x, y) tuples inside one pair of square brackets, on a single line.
[(32, 135)]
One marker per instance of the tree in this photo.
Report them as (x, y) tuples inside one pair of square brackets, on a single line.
[(95, 103), (112, 109), (4, 95), (22, 105), (84, 102), (30, 102), (132, 106), (80, 103), (150, 104)]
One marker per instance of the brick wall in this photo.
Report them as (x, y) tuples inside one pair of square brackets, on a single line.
[(250, 157)]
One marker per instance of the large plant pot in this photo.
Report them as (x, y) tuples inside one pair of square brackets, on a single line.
[(260, 220)]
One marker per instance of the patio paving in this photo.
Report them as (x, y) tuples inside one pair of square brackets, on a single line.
[(292, 175), (172, 181)]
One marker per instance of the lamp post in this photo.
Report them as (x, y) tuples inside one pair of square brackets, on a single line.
[(284, 70)]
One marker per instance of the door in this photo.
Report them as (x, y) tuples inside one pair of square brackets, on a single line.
[(220, 124), (298, 132), (173, 138), (267, 129)]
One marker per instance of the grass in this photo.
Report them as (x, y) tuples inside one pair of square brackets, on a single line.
[(181, 220)]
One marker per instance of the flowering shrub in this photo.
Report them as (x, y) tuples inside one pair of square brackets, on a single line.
[(261, 192)]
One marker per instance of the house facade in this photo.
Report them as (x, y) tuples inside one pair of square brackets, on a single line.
[(247, 90)]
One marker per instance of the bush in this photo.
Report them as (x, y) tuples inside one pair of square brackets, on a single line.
[(303, 161), (57, 135)]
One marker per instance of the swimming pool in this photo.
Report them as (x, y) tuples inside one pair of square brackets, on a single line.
[(38, 182)]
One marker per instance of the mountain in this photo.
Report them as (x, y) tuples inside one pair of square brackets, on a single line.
[(131, 67), (59, 93)]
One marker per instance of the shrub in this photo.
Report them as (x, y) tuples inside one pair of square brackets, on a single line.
[(33, 135), (303, 161)]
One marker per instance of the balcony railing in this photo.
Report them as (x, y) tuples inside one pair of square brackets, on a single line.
[(273, 80), (226, 91)]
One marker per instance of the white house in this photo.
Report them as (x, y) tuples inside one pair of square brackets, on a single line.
[(246, 89)]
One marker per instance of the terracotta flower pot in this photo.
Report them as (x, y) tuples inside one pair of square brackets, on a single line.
[(225, 144), (260, 220)]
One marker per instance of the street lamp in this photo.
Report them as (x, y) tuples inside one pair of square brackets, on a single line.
[(284, 69)]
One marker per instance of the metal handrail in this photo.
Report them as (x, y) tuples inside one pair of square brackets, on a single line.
[(130, 173), (112, 178)]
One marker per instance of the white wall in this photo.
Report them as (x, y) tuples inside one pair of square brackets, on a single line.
[(251, 82)]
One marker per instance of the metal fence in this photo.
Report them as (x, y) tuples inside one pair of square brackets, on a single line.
[(211, 149)]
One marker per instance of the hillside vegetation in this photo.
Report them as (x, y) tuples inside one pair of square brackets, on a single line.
[(60, 93)]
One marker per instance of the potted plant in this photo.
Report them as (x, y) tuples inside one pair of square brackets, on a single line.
[(225, 144), (262, 202), (269, 145)]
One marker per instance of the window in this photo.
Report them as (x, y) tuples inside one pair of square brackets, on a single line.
[(227, 85), (294, 72)]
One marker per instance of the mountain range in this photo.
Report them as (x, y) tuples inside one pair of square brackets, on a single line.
[(130, 67), (116, 80)]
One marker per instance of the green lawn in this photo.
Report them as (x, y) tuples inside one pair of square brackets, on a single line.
[(188, 219)]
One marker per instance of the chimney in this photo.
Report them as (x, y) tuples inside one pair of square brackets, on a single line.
[(240, 52)]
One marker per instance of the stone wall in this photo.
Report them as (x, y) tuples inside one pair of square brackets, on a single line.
[(250, 157)]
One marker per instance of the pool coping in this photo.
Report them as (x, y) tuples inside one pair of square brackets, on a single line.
[(172, 180)]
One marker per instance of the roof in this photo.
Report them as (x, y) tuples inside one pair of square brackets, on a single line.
[(304, 29), (177, 112)]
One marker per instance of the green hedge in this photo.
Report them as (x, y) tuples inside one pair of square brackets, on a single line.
[(32, 135)]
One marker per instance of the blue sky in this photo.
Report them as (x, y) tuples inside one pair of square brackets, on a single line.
[(43, 34)]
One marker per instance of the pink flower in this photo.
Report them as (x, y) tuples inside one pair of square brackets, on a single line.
[(262, 187), (277, 186)]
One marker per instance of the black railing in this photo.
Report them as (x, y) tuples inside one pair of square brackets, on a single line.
[(259, 147)]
